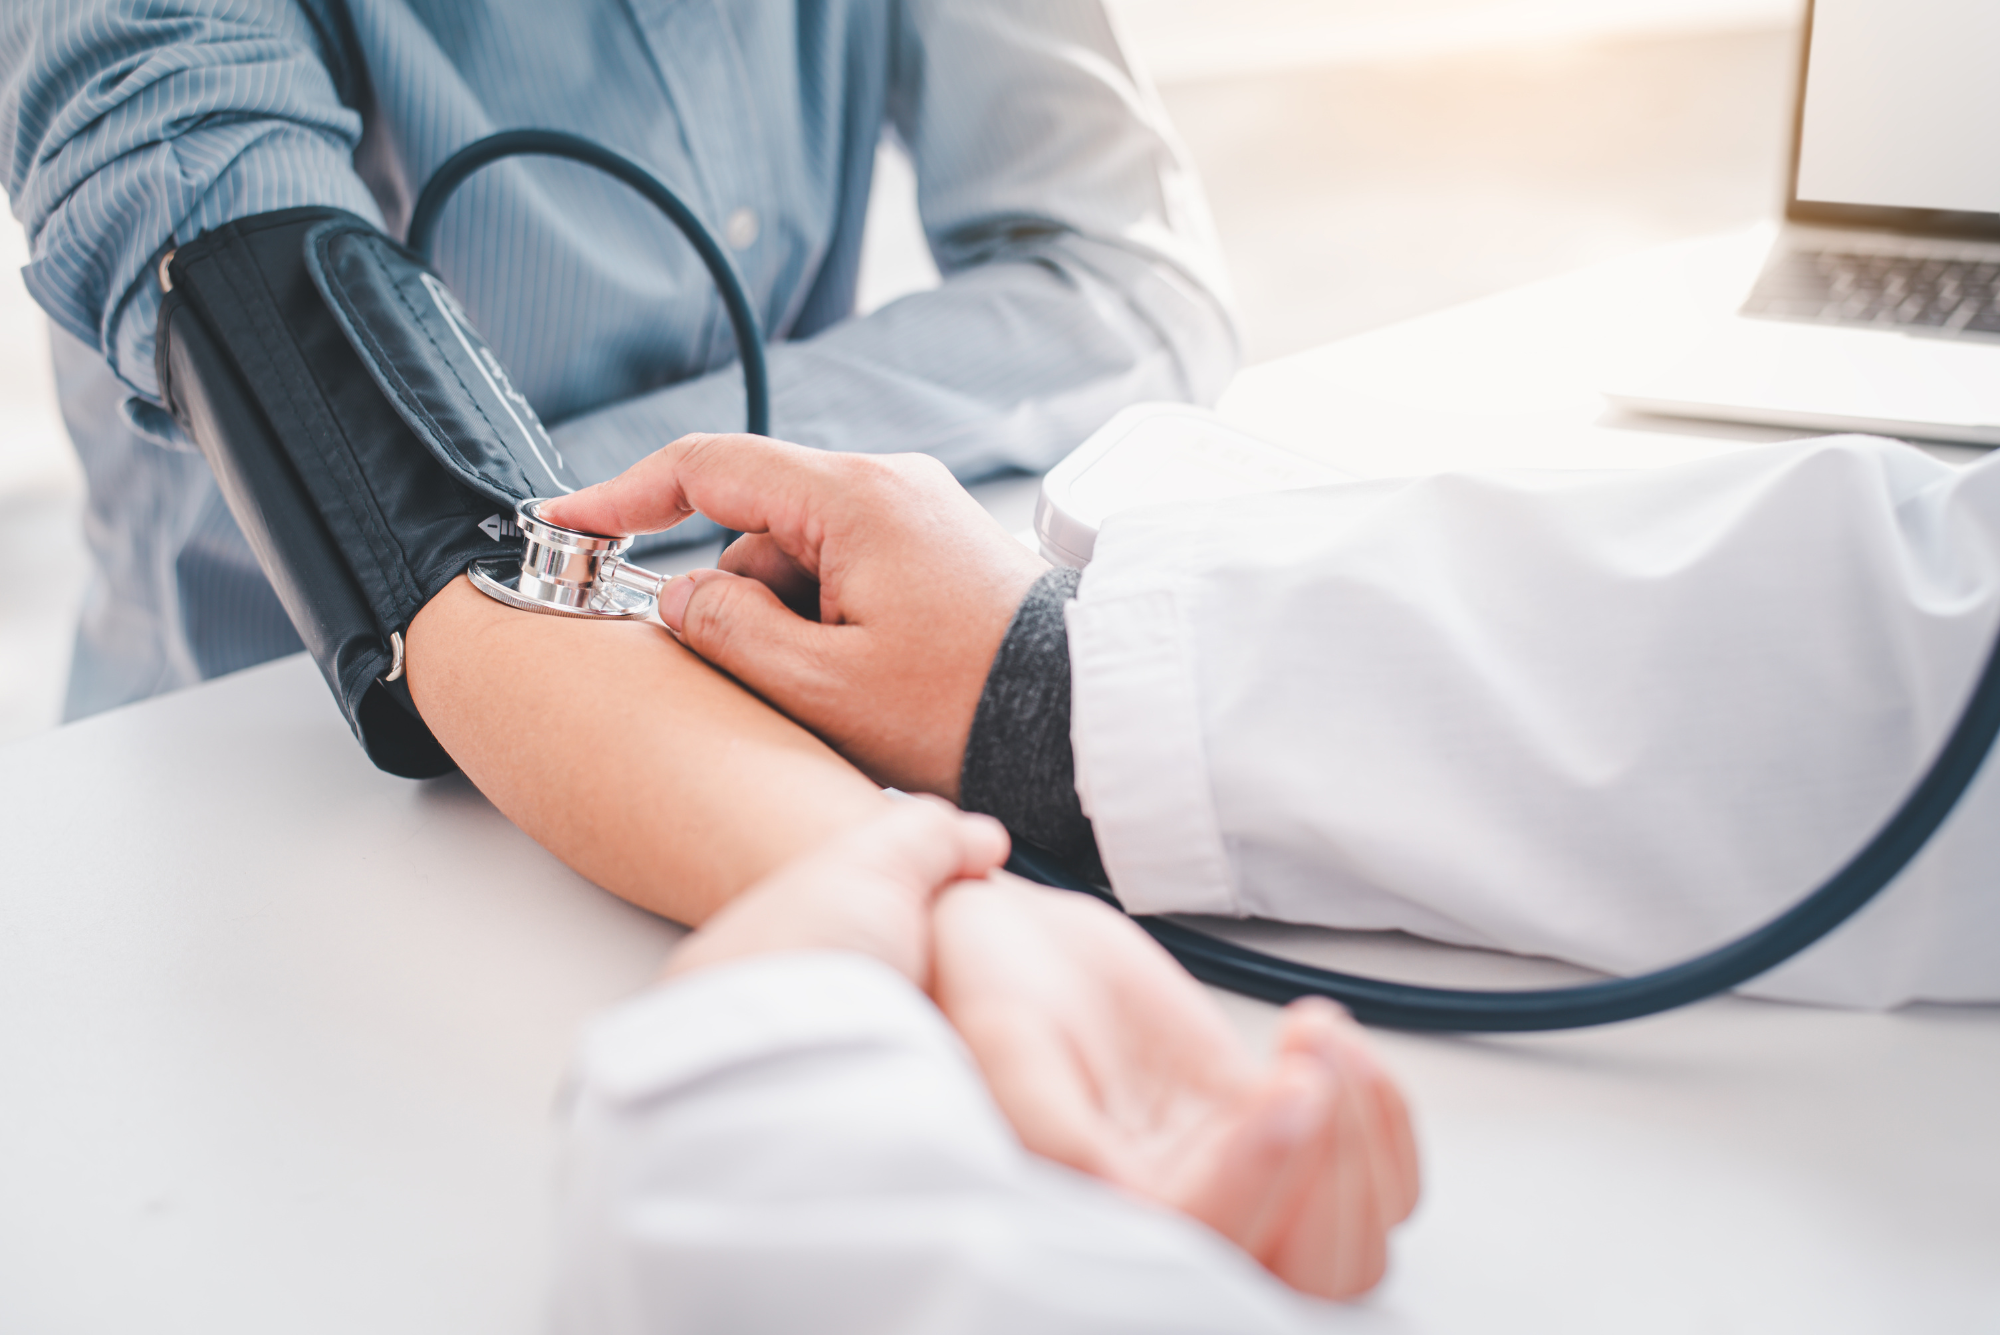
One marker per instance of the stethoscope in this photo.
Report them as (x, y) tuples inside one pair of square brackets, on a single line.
[(567, 573), (570, 574)]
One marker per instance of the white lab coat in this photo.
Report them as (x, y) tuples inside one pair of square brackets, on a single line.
[(799, 1143), (1614, 718)]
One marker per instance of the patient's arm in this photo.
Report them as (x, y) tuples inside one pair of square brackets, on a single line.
[(633, 761), (664, 781)]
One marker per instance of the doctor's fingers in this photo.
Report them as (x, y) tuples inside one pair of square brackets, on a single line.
[(645, 498), (810, 672), (802, 497), (841, 517), (740, 625), (748, 483), (758, 556)]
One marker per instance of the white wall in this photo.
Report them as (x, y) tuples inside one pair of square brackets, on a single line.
[(1202, 39)]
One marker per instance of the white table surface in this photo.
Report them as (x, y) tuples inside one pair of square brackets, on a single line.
[(280, 1034)]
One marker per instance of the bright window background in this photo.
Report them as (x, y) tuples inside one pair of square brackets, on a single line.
[(1368, 160)]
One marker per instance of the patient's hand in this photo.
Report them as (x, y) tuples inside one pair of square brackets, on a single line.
[(878, 590), (868, 890), (1107, 1057), (1101, 1052)]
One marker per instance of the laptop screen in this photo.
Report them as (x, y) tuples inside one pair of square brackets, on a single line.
[(1899, 116)]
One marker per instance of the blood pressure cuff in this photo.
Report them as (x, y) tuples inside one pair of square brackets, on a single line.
[(365, 437)]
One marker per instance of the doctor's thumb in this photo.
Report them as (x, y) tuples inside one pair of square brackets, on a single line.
[(740, 626)]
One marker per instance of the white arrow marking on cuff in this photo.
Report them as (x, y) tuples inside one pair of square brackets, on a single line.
[(446, 304)]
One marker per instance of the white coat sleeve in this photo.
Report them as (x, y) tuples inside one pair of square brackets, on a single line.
[(1613, 718), (799, 1143)]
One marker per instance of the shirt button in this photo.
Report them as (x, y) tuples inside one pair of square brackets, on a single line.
[(741, 229)]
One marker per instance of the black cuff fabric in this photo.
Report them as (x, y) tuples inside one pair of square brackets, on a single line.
[(365, 437), (1019, 767)]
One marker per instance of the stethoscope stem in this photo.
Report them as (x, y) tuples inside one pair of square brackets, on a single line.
[(617, 570)]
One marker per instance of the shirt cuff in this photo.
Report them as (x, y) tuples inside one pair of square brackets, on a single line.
[(759, 1009), (1018, 766), (1141, 768)]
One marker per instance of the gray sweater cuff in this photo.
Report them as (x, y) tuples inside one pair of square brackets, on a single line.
[(1018, 764)]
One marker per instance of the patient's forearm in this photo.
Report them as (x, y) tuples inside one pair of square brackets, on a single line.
[(624, 754)]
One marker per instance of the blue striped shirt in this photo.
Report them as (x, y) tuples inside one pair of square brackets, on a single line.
[(1079, 273)]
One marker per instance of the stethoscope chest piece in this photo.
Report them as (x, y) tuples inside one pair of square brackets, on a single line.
[(567, 573)]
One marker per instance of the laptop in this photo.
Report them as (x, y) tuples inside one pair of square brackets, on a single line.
[(1878, 308)]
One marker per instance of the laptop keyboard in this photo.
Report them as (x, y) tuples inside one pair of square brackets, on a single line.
[(1947, 296)]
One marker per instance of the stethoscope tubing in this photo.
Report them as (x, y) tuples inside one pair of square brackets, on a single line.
[(1271, 978), (557, 144)]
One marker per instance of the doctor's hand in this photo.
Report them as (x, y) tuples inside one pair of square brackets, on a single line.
[(866, 599), (1107, 1057)]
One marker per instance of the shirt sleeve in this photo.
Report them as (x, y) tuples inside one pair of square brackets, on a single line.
[(1079, 263), (126, 125), (798, 1142), (1613, 718)]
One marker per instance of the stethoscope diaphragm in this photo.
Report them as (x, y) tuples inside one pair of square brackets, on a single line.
[(564, 572)]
